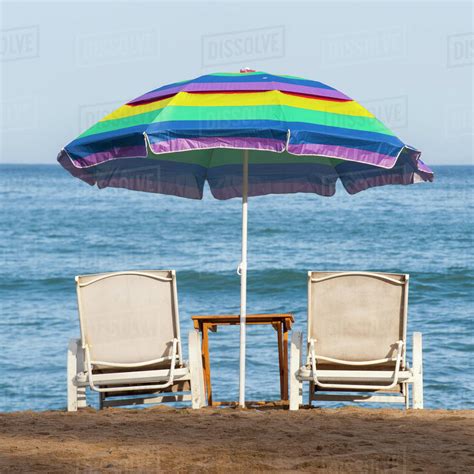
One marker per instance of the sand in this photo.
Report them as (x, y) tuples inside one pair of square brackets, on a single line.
[(227, 440)]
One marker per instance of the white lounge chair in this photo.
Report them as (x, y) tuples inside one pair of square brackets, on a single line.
[(357, 323), (130, 342)]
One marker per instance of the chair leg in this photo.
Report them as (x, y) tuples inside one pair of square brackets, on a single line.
[(417, 371), (76, 396), (196, 371), (101, 400), (71, 375), (296, 386), (81, 397), (311, 393), (81, 367)]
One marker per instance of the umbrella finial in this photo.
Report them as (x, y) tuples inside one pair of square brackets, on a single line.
[(247, 69)]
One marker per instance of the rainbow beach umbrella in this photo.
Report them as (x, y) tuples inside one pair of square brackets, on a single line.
[(245, 134)]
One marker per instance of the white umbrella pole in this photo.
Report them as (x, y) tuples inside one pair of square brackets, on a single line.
[(243, 278)]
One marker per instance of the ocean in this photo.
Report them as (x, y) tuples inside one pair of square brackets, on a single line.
[(53, 227)]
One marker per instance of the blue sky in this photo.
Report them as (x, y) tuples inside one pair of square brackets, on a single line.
[(66, 64)]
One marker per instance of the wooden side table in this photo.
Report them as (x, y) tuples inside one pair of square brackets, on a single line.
[(280, 322)]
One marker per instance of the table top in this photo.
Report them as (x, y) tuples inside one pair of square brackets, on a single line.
[(287, 318)]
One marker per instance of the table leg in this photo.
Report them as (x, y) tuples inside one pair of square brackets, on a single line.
[(285, 362), (206, 363), (280, 359)]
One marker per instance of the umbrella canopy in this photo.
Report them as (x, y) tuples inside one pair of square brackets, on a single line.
[(302, 136), (296, 135)]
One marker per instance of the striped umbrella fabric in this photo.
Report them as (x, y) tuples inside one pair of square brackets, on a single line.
[(301, 136)]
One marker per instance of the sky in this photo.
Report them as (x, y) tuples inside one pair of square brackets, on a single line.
[(64, 65)]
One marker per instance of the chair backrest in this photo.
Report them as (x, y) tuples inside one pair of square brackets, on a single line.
[(128, 318), (357, 316)]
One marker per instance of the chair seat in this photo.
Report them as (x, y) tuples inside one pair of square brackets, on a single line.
[(356, 376), (133, 378)]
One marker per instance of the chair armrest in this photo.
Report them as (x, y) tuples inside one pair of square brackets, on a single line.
[(296, 362), (417, 369), (196, 370)]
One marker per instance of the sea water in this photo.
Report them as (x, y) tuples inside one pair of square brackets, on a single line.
[(53, 227)]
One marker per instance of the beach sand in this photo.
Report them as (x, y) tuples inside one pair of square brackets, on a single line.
[(218, 440)]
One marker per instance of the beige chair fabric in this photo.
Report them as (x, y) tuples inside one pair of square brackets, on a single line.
[(128, 318), (357, 317)]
